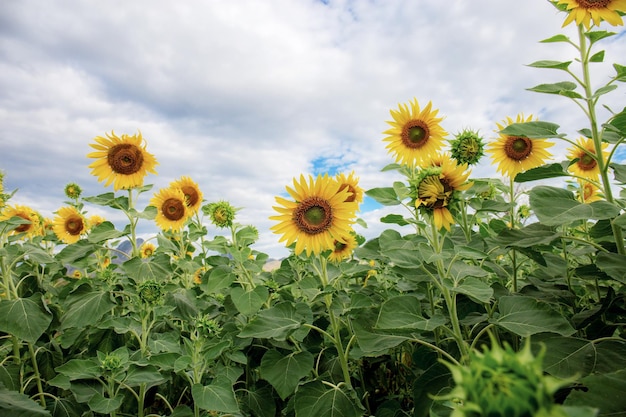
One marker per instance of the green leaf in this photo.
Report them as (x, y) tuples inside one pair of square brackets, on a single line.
[(80, 369), (526, 316), (109, 199), (603, 90), (532, 235), (385, 196), (86, 307), (404, 313), (556, 38), (72, 253), (98, 403), (435, 378), (555, 88), (597, 57), (543, 172), (285, 372), (249, 302), (315, 399), (597, 35), (533, 130), (475, 289), (619, 171), (551, 64), (25, 318), (621, 72), (567, 357), (103, 232), (148, 375), (394, 219), (612, 264), (217, 396), (375, 344), (157, 269), (604, 391), (260, 401), (555, 206), (277, 322), (16, 404), (219, 278)]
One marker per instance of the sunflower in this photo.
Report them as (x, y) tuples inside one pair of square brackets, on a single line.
[(193, 195), (515, 154), (415, 134), (588, 192), (436, 189), (27, 229), (77, 274), (69, 225), (122, 161), (172, 212), (73, 191), (96, 220), (583, 11), (467, 147), (197, 276), (352, 184), (147, 250), (221, 213), (318, 217), (586, 165), (342, 250)]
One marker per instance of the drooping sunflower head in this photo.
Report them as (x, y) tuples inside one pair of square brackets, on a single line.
[(437, 188), (350, 182), (32, 225), (69, 225), (587, 192), (122, 161), (467, 147), (515, 154), (147, 250), (221, 213), (585, 11), (73, 191), (172, 211), (584, 153), (318, 215), (343, 249), (415, 135), (193, 195)]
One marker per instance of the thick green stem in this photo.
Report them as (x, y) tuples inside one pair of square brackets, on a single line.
[(590, 100), (33, 358), (513, 253)]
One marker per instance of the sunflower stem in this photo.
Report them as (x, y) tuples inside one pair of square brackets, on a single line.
[(603, 166), (133, 224), (513, 225)]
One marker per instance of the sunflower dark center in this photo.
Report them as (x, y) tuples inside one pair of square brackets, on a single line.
[(191, 195), (23, 227), (351, 192), (586, 162), (74, 225), (125, 159), (339, 246), (313, 215), (415, 134), (518, 148), (592, 4), (173, 209)]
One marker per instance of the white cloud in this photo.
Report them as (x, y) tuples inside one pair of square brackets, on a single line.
[(243, 96)]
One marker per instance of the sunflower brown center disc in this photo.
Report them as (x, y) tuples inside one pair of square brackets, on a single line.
[(74, 225), (518, 148), (313, 215), (173, 209), (415, 134), (125, 159)]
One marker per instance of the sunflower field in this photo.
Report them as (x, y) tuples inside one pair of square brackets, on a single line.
[(484, 297)]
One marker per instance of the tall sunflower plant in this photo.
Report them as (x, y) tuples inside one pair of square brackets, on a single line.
[(484, 296)]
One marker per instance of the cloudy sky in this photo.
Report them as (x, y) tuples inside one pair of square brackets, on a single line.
[(245, 95)]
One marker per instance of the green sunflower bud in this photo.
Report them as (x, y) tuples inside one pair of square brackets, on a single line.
[(501, 382), (222, 214), (111, 363), (207, 326), (73, 191), (467, 147), (151, 292)]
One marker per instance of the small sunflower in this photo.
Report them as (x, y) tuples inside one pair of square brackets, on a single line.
[(197, 276), (69, 225), (147, 250), (96, 220), (587, 192), (77, 274), (352, 184), (584, 11), (319, 215), (436, 188), (122, 161), (27, 230), (586, 165), (343, 250), (172, 212), (515, 154), (415, 134), (193, 195), (222, 214), (73, 191)]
